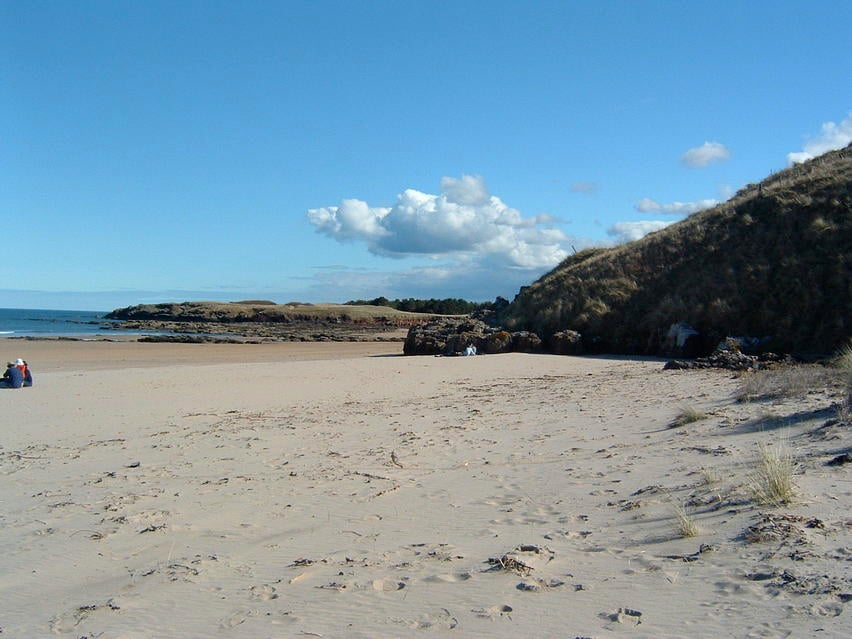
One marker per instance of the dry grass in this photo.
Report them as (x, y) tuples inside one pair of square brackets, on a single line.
[(262, 311), (686, 525), (793, 381), (709, 476), (771, 481), (785, 239), (843, 359), (844, 410), (688, 415)]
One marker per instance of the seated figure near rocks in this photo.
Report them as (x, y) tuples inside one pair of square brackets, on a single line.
[(470, 350)]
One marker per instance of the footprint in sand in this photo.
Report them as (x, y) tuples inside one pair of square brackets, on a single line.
[(67, 621), (567, 534), (442, 619), (494, 612), (624, 616), (387, 585), (826, 610), (237, 617), (265, 592)]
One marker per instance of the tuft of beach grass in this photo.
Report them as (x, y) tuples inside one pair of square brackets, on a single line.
[(771, 480), (686, 525), (687, 415)]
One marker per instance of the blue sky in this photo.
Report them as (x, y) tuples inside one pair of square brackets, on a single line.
[(325, 151)]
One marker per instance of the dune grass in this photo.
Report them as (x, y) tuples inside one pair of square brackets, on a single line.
[(770, 482), (843, 359), (709, 476), (785, 240), (790, 381), (687, 415), (686, 526)]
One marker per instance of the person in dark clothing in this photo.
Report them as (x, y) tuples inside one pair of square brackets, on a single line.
[(13, 377), (25, 371)]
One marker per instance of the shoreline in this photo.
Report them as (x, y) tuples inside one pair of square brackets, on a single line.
[(48, 355)]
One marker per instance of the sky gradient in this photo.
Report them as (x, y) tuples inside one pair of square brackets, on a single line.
[(327, 151)]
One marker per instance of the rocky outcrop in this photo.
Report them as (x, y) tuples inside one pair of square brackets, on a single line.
[(566, 343), (270, 322), (193, 339), (526, 342), (451, 336), (238, 313), (730, 360)]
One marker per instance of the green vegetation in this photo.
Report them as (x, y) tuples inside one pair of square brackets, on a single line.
[(449, 306)]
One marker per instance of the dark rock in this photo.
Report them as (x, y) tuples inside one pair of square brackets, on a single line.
[(469, 336), (840, 460), (526, 342), (566, 343), (189, 339), (451, 336), (445, 336), (730, 360), (499, 342), (740, 344)]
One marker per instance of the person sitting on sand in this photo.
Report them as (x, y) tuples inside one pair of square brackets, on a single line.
[(12, 378), (470, 350), (21, 364)]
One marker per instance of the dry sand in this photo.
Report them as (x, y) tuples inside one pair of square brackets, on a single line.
[(341, 490)]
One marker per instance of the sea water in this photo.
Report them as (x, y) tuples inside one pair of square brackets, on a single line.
[(22, 322)]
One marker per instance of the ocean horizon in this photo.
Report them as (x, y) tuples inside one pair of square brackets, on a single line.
[(27, 322)]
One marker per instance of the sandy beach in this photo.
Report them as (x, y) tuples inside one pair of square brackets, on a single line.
[(343, 490)]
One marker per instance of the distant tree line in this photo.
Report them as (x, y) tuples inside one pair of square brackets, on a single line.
[(449, 306)]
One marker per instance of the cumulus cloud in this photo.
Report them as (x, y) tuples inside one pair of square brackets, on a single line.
[(707, 153), (650, 205), (463, 220), (832, 136), (629, 231)]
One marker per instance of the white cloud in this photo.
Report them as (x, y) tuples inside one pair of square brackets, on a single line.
[(470, 189), (353, 219), (464, 220), (707, 153), (629, 231), (832, 136), (650, 205)]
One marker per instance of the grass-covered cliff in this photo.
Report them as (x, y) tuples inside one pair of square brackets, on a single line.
[(774, 261), (259, 311)]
